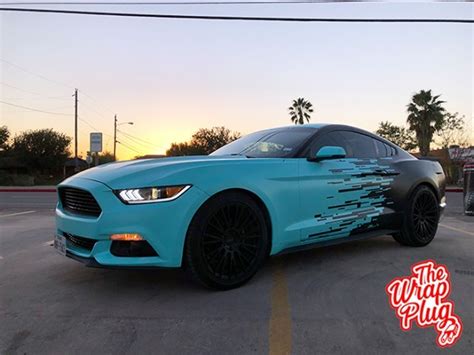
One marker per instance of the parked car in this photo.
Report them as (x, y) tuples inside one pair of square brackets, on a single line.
[(270, 192), (468, 188)]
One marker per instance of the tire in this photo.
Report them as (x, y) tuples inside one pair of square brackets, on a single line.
[(421, 219), (227, 241)]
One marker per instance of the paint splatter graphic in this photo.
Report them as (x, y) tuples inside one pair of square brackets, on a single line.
[(355, 201)]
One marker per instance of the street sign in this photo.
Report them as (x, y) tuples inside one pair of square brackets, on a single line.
[(96, 142)]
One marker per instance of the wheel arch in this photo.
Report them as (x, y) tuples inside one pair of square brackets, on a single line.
[(428, 184), (253, 196)]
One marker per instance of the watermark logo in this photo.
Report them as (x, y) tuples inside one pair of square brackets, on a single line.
[(422, 298)]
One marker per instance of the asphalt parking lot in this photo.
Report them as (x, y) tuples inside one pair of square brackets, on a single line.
[(326, 300)]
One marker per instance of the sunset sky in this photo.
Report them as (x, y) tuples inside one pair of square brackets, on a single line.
[(172, 77)]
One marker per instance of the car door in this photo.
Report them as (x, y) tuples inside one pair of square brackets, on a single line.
[(341, 197)]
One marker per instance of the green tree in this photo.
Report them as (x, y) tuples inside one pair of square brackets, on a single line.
[(203, 142), (106, 157), (212, 139), (4, 137), (425, 117), (397, 135), (42, 150), (300, 110), (452, 130), (185, 148)]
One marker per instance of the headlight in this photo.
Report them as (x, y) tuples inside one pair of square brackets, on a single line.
[(152, 194)]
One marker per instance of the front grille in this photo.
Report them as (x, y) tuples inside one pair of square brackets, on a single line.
[(79, 201), (80, 242)]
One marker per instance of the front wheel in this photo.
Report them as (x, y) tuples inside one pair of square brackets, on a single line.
[(421, 219), (227, 241)]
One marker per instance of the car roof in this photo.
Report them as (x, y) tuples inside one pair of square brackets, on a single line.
[(307, 125), (325, 125), (335, 126)]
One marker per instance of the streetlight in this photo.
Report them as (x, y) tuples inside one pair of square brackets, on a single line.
[(115, 133)]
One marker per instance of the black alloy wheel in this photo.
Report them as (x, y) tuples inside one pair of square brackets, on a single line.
[(227, 241), (425, 215), (421, 219)]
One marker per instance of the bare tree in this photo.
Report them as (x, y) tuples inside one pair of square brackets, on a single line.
[(452, 130)]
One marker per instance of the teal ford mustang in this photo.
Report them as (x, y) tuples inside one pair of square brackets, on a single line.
[(274, 191)]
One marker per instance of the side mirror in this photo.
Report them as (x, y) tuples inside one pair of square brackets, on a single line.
[(328, 152)]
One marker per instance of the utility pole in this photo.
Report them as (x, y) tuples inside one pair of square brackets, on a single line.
[(115, 133), (115, 136), (76, 167)]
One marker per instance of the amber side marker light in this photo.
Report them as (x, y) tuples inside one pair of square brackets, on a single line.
[(127, 237)]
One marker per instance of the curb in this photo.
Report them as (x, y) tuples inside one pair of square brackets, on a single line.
[(454, 189)]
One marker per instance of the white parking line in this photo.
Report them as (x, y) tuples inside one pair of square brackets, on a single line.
[(456, 229), (49, 243), (16, 214)]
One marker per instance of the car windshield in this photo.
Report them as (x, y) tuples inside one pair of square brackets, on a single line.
[(280, 143)]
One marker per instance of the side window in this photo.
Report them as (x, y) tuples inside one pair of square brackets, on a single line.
[(391, 150), (355, 144), (360, 145), (332, 139), (382, 149)]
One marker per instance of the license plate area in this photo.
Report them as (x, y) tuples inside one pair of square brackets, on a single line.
[(60, 244)]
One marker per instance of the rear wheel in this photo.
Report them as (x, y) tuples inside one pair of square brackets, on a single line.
[(421, 219), (227, 241)]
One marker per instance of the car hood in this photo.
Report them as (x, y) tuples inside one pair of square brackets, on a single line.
[(149, 172)]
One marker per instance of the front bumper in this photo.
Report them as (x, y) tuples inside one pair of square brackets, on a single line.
[(91, 262), (163, 225)]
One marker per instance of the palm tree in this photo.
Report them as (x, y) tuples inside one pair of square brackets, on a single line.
[(425, 117), (300, 111)]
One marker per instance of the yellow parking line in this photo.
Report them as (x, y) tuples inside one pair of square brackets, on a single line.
[(280, 321), (456, 229)]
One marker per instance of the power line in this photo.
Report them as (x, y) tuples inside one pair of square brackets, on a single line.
[(93, 127), (44, 78), (83, 104), (35, 74), (94, 100), (143, 142), (29, 92), (126, 146), (135, 141), (87, 123), (187, 3), (151, 145), (62, 98), (131, 141), (239, 18), (35, 109)]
